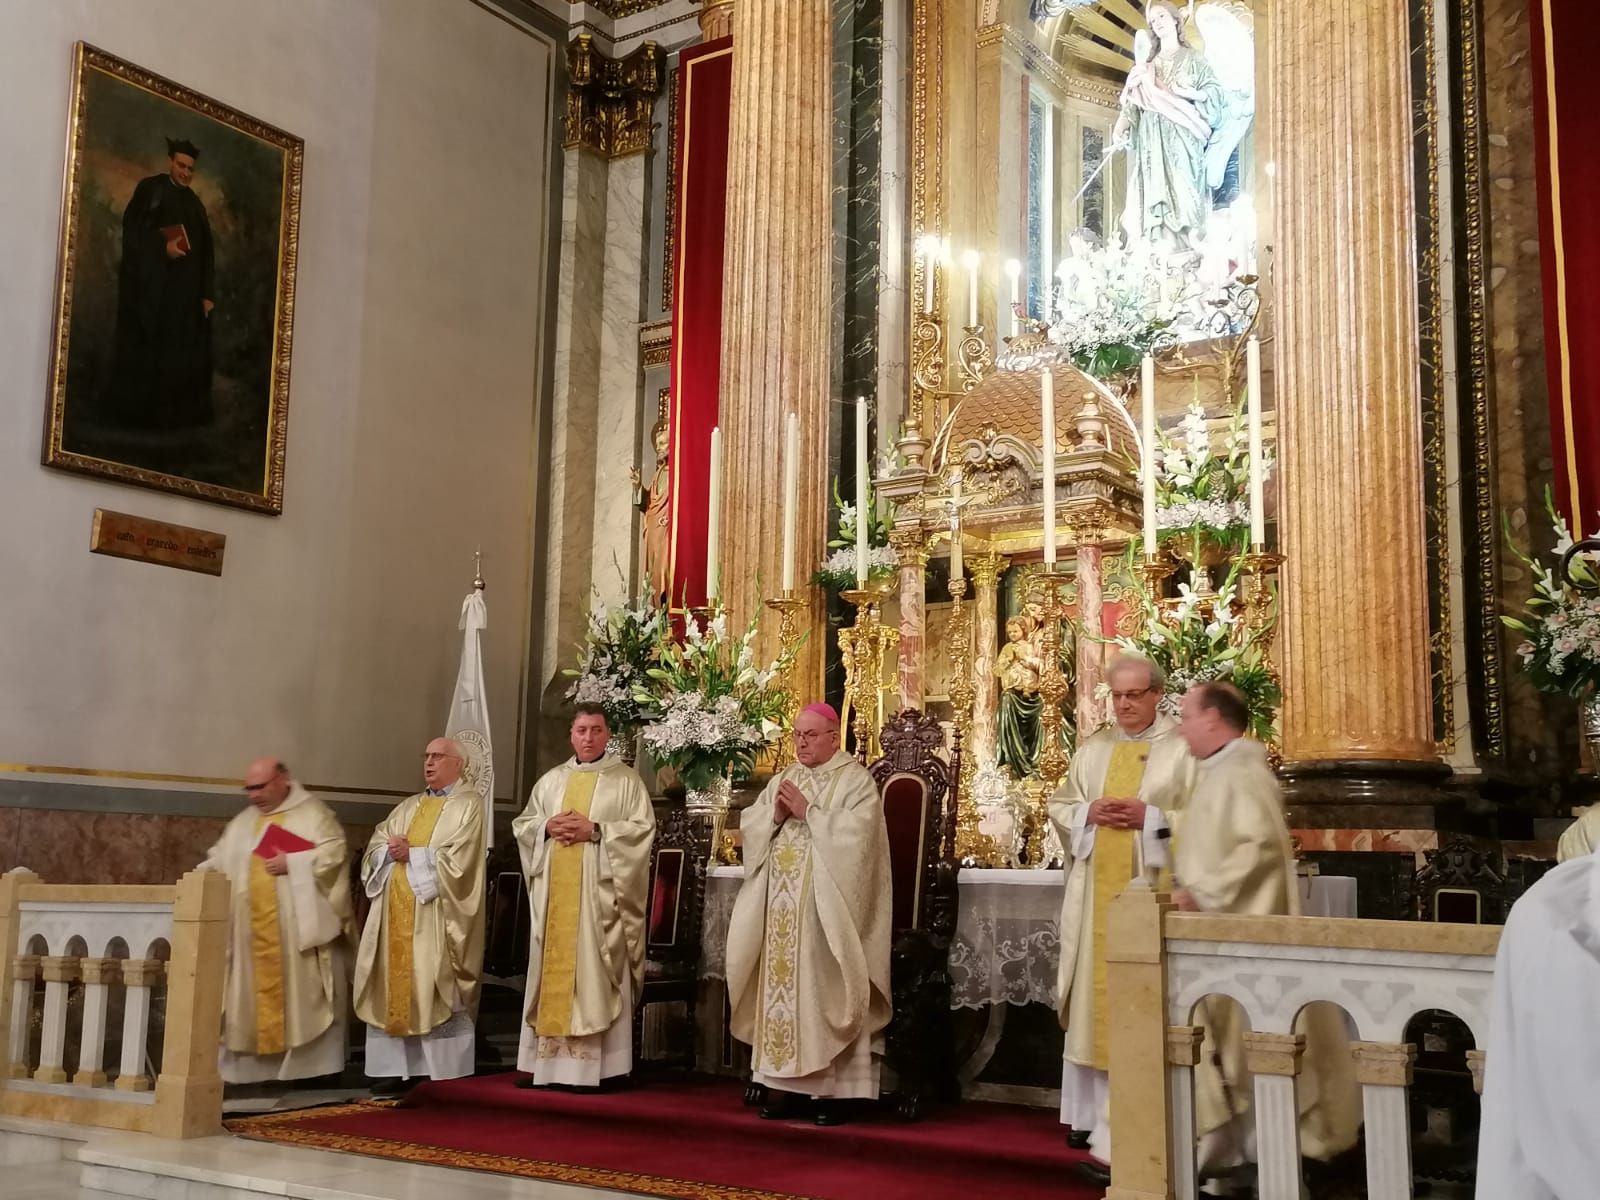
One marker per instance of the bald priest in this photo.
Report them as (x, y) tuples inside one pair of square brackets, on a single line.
[(287, 991), (421, 960), (585, 841), (808, 942)]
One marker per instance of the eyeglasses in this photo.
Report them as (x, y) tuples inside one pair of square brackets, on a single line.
[(806, 735), (1134, 695), (433, 754)]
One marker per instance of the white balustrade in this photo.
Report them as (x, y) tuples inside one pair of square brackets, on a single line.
[(1382, 974), (66, 935)]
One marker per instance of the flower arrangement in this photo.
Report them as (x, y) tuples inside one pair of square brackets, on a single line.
[(1561, 625), (1110, 305), (621, 643), (838, 570), (1204, 638), (1200, 493), (709, 710)]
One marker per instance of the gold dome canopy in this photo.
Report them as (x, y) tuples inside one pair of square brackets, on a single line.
[(1007, 404)]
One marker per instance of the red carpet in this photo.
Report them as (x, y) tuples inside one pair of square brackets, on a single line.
[(693, 1140)]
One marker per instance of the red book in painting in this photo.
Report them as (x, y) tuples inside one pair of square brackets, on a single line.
[(278, 840), (176, 235)]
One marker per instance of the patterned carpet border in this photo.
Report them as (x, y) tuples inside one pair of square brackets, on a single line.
[(280, 1127)]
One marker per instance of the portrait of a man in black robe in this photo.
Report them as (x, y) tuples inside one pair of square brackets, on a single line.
[(166, 286)]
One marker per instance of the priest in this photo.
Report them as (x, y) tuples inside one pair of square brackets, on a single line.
[(1111, 815), (1581, 837), (286, 993), (421, 957), (808, 941), (1232, 854), (585, 841)]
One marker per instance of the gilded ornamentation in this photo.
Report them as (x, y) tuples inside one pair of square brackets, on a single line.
[(669, 244), (609, 100)]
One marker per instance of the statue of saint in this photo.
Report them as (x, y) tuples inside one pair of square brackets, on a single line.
[(1018, 666), (655, 502), (1171, 103)]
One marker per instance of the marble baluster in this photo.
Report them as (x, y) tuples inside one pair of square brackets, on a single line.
[(1475, 1065), (1350, 484), (1274, 1059), (98, 976), (1384, 1071), (1183, 1055), (59, 972), (986, 570), (776, 339), (139, 975), (1091, 651), (913, 556), (24, 971)]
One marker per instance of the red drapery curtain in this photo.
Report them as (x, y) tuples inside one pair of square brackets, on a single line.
[(704, 84), (1566, 89)]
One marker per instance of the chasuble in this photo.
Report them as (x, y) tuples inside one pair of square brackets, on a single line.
[(587, 937), (1581, 836), (287, 990), (420, 963), (1231, 850), (1155, 767), (808, 941)]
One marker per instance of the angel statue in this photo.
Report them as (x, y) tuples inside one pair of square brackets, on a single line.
[(1172, 104), (655, 503)]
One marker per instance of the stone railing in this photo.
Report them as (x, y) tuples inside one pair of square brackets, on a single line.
[(116, 947), (1162, 963)]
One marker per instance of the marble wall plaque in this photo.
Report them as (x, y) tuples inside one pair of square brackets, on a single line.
[(123, 535)]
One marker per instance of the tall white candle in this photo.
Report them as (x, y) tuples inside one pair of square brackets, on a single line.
[(863, 484), (791, 495), (973, 262), (1047, 425), (956, 571), (714, 518), (1258, 506), (1014, 269), (1147, 394)]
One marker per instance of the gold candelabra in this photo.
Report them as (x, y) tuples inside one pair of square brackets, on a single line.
[(788, 607), (1049, 586), (864, 646), (972, 845), (1260, 617), (934, 377)]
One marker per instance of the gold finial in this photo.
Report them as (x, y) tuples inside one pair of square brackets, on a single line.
[(477, 569)]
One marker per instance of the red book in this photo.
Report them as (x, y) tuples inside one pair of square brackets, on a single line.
[(176, 235), (278, 840)]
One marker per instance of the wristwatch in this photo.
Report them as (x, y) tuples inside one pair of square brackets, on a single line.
[(595, 835)]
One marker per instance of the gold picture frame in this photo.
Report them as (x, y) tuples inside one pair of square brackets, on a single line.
[(174, 306)]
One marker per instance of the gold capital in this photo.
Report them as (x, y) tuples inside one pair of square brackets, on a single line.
[(609, 99)]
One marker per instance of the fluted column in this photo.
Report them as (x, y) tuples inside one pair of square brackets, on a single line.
[(98, 976), (1275, 1060), (913, 555), (775, 325), (986, 571), (1383, 1069), (716, 19), (1358, 701)]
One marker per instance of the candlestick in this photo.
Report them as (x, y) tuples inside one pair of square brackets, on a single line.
[(788, 607), (863, 646), (955, 531), (1147, 393), (714, 517), (972, 261), (863, 517), (930, 267), (791, 495), (1258, 507), (1047, 424), (1014, 270)]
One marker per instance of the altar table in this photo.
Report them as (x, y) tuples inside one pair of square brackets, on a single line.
[(1007, 941)]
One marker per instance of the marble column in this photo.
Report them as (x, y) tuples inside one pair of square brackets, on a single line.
[(775, 313), (24, 971), (716, 19), (98, 976), (913, 556), (1183, 1055), (1358, 714), (1091, 652), (986, 571), (1384, 1071), (139, 975), (59, 973), (1275, 1059)]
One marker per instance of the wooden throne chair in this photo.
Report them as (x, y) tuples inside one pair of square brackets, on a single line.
[(678, 863), (919, 807)]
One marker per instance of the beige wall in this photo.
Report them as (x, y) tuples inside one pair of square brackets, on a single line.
[(418, 359)]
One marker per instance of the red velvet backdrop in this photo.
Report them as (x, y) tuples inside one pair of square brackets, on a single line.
[(1566, 89), (704, 84)]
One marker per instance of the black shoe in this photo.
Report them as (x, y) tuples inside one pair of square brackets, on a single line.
[(830, 1112), (390, 1088), (780, 1106), (527, 1084), (1078, 1139), (1096, 1173)]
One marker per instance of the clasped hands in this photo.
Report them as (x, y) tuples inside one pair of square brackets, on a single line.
[(1117, 812), (790, 802), (569, 828)]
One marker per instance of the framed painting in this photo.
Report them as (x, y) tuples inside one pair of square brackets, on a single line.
[(175, 289)]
